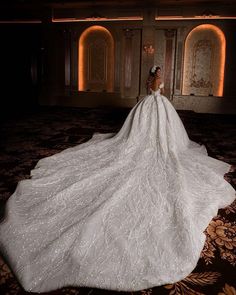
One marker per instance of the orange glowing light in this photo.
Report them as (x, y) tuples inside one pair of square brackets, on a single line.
[(94, 19), (81, 53), (221, 37), (200, 17)]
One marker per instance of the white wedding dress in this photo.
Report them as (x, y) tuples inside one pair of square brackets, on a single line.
[(122, 211)]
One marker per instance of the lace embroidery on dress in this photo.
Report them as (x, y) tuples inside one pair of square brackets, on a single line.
[(124, 212)]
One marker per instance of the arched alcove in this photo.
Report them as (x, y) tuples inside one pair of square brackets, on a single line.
[(96, 60), (204, 61)]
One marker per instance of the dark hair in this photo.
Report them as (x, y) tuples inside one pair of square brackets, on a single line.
[(153, 74)]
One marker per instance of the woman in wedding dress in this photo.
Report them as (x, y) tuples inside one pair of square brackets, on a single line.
[(123, 211)]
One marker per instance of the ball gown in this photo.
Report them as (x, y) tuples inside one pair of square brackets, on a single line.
[(123, 211)]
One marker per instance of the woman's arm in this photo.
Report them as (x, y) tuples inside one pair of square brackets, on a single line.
[(161, 87)]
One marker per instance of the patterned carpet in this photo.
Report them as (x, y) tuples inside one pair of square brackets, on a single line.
[(27, 138)]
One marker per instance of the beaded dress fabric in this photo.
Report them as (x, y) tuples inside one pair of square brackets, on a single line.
[(123, 211)]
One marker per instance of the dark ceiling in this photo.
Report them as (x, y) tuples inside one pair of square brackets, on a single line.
[(113, 3), (38, 9)]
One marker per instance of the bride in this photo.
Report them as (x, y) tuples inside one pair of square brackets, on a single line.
[(123, 211)]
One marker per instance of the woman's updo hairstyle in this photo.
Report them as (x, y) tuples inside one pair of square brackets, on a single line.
[(153, 70)]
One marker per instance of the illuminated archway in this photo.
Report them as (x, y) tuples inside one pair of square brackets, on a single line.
[(96, 60), (204, 61)]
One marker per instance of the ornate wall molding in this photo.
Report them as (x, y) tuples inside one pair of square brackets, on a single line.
[(96, 60), (170, 37), (204, 61), (128, 57), (67, 44)]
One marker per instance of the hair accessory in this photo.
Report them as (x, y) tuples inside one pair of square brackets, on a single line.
[(153, 69)]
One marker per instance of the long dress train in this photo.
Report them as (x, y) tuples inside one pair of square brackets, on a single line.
[(122, 211)]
